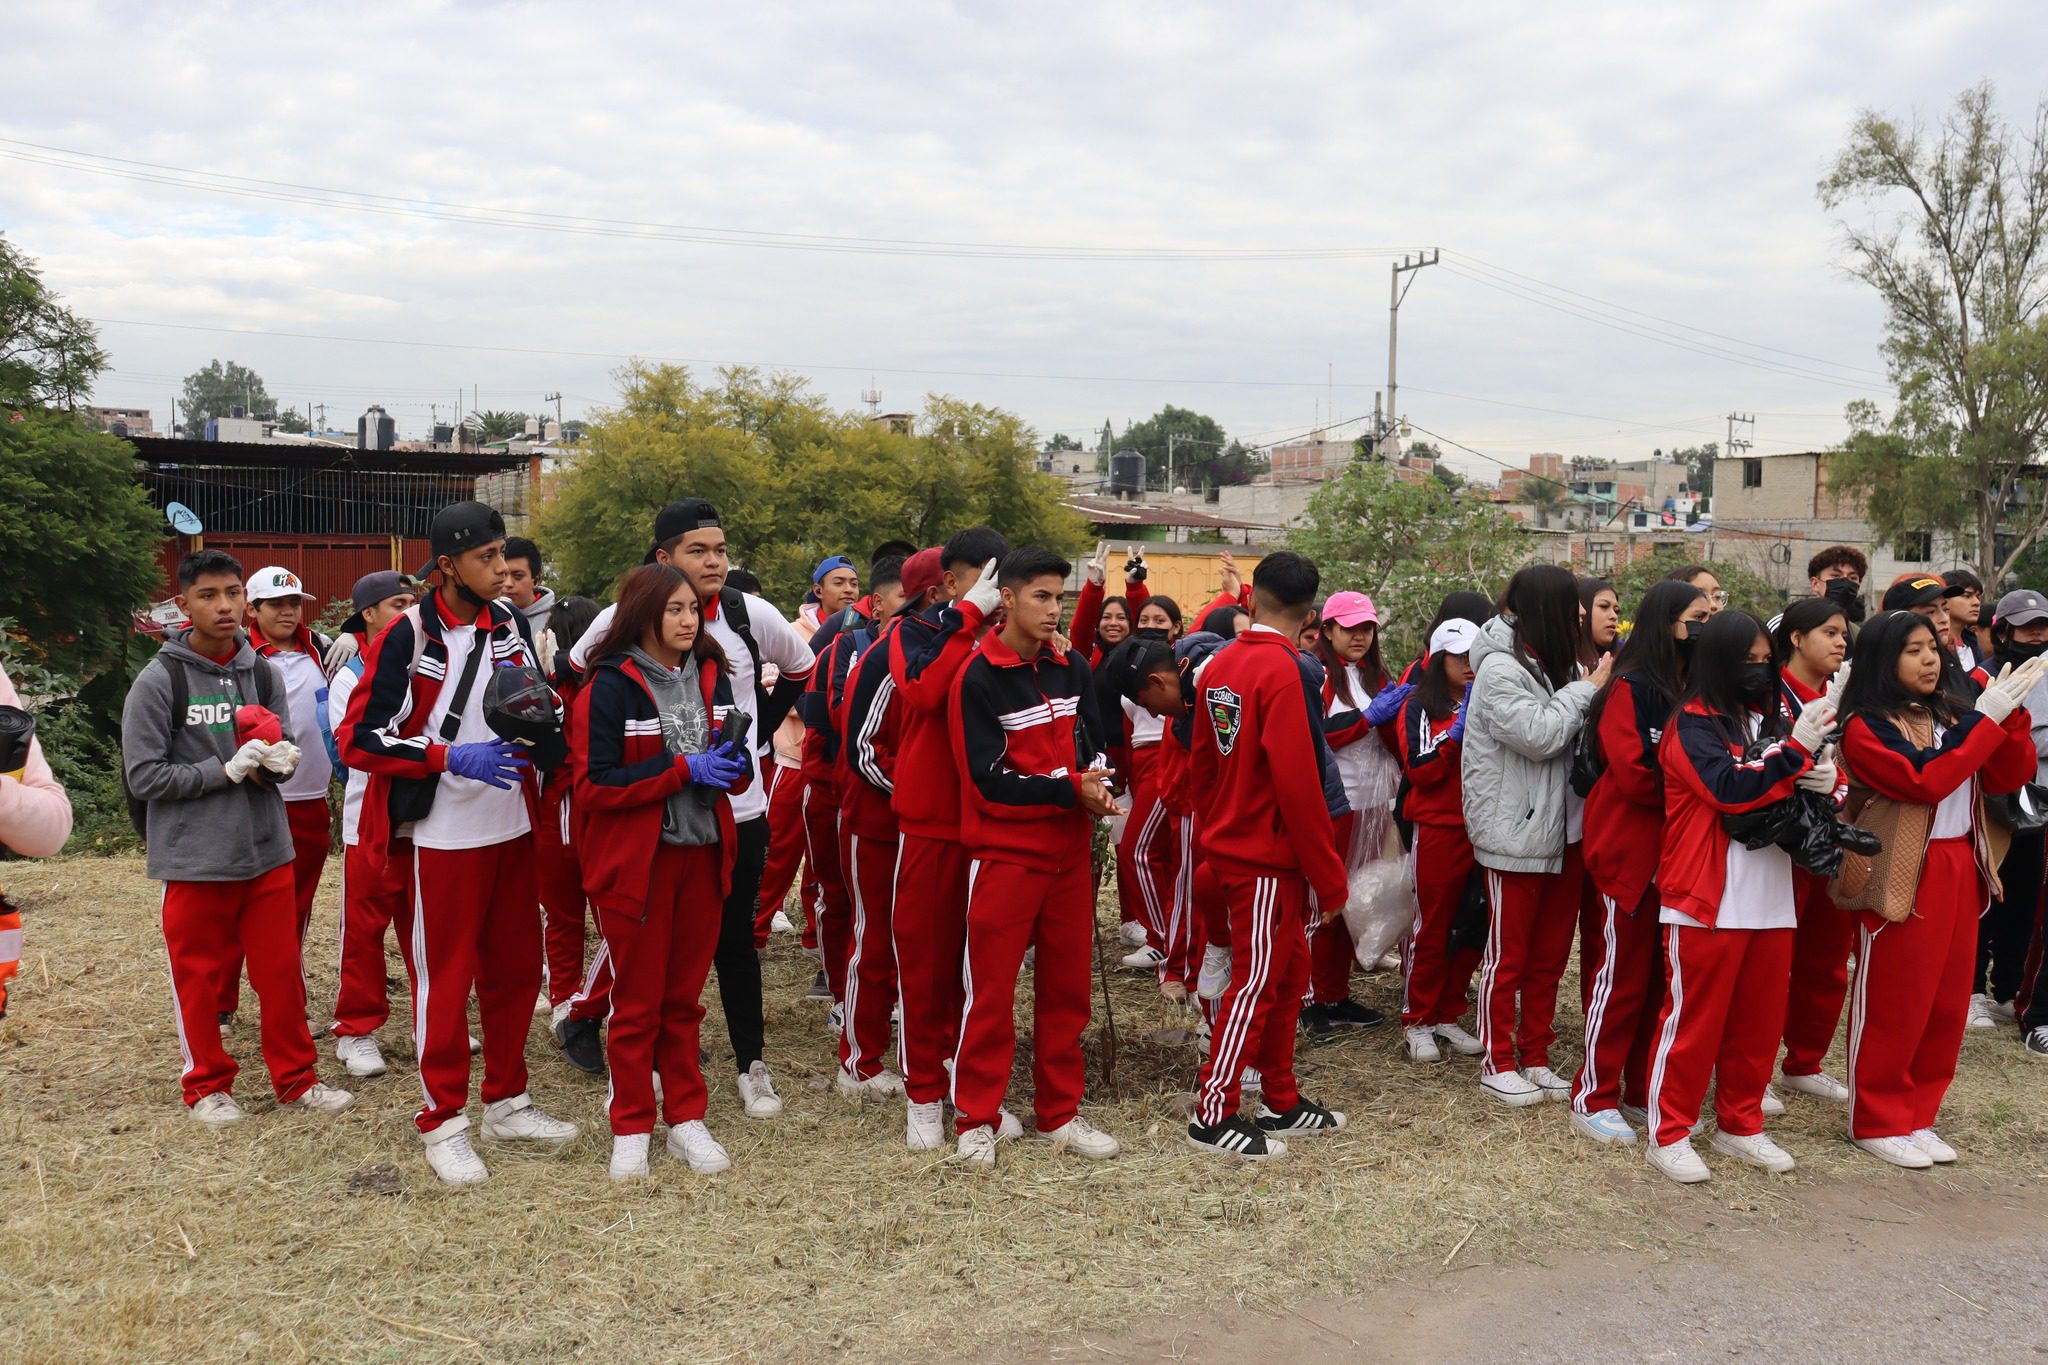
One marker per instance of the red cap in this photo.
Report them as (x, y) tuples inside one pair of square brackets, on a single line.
[(257, 722), (921, 571)]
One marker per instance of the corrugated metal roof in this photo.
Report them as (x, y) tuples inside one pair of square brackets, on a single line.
[(1110, 512)]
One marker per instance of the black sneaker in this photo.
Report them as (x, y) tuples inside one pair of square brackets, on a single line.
[(1305, 1117), (1235, 1137), (1315, 1022), (819, 990), (227, 1021), (1348, 1013), (582, 1043), (2036, 1042)]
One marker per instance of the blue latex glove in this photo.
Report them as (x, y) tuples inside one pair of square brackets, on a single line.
[(1387, 704), (1457, 730), (717, 768), (498, 763)]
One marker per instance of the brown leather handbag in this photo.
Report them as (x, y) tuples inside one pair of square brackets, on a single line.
[(1887, 880)]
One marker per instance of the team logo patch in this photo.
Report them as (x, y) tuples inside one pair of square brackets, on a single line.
[(1226, 713)]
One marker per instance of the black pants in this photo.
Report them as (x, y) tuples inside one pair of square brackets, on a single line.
[(737, 963), (2007, 927)]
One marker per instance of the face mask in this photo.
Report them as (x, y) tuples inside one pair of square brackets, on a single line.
[(1684, 639), (1757, 683), (1849, 593), (1150, 633), (2020, 653)]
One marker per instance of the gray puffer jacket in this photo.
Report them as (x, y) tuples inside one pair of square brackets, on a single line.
[(1517, 756)]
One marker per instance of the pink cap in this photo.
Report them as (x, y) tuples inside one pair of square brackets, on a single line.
[(1349, 609)]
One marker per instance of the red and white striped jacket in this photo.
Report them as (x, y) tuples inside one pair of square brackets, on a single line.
[(1022, 739), (1705, 777)]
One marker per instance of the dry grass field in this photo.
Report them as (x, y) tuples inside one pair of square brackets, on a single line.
[(128, 1232)]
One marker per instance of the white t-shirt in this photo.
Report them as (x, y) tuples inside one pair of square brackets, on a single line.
[(338, 692), (1369, 773), (1146, 728), (1952, 816), (1757, 892), (300, 673), (467, 814)]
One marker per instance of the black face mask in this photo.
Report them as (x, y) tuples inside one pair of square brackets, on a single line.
[(1849, 593), (1684, 640), (2019, 653), (1150, 633), (1757, 683)]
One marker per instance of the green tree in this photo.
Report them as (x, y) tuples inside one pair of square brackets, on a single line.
[(1405, 542), (1752, 592), (49, 356), (1196, 443), (1958, 252), (290, 421), (1545, 497), (1699, 465), (1061, 441), (216, 391), (491, 425)]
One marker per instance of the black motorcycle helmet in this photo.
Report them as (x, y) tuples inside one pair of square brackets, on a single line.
[(520, 706)]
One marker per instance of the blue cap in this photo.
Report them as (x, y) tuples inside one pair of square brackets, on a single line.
[(828, 565)]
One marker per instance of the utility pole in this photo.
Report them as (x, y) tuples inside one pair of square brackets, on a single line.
[(1747, 443), (1171, 438), (556, 399), (1396, 292)]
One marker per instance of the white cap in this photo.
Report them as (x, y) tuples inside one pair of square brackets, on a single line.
[(1454, 636), (273, 582)]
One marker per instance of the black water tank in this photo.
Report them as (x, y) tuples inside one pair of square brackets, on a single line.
[(1127, 473)]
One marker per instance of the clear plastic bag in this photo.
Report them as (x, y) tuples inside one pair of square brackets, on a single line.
[(1381, 907)]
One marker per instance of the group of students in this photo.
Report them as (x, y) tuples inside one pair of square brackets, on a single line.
[(930, 757)]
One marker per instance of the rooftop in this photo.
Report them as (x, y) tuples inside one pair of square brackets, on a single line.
[(1110, 512)]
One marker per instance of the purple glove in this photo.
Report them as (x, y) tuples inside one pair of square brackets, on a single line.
[(1457, 730), (718, 768), (1387, 704), (499, 763)]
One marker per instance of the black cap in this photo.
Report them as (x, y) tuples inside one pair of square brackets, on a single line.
[(371, 589), (680, 518), (460, 527), (1918, 591)]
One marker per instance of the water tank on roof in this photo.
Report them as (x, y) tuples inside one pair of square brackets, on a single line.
[(375, 430), (444, 434), (1127, 474)]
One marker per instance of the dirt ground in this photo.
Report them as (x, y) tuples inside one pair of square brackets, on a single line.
[(1438, 1226)]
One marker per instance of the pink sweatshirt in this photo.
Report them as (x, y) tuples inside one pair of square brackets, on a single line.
[(35, 815)]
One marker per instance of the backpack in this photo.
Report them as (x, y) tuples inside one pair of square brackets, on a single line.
[(355, 666), (268, 694), (732, 604)]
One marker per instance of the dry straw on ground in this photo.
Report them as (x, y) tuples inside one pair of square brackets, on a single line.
[(129, 1232)]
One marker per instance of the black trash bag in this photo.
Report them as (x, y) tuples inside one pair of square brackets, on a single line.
[(17, 728), (1809, 829), (1470, 922)]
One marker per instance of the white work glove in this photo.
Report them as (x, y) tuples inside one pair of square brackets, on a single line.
[(282, 757), (985, 594), (246, 760), (544, 648), (1814, 722), (340, 652), (1839, 684), (2010, 689), (1821, 777), (1097, 567)]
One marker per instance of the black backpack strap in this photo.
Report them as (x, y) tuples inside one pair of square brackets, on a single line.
[(451, 724), (733, 603)]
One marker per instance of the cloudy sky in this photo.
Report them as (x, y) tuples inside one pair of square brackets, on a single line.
[(1159, 203)]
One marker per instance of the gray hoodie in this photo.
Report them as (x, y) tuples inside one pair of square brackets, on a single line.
[(537, 614), (1517, 756), (202, 827)]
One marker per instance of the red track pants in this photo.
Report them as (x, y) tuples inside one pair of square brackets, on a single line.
[(207, 926), (871, 969), (1911, 998), (475, 926), (786, 848), (373, 899), (830, 930), (563, 906), (1142, 872), (930, 932), (1820, 976), (1433, 978), (657, 998), (1011, 908), (1724, 1011), (1528, 944), (311, 824), (1184, 937), (1257, 1013), (1621, 978), (1332, 951)]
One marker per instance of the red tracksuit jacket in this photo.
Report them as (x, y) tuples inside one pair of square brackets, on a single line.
[(1088, 615), (1022, 742), (1435, 786), (1889, 763), (926, 653), (1625, 809), (868, 718), (1706, 776), (624, 777), (1258, 781)]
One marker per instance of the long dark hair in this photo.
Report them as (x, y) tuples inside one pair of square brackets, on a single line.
[(1545, 601), (1165, 604), (569, 619), (1874, 688), (1217, 620), (643, 597), (1340, 675), (1650, 657), (1715, 675), (1433, 689), (1803, 617), (1589, 589)]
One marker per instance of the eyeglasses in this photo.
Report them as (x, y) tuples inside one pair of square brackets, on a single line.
[(1719, 597)]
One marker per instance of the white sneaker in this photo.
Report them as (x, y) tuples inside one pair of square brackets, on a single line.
[(1820, 1085), (1605, 1126), (1639, 1117), (1214, 978), (1757, 1150), (693, 1144), (360, 1054), (978, 1148), (1928, 1141), (2003, 1012), (1251, 1082), (1131, 934), (851, 1087), (835, 1020), (780, 924), (1900, 1151), (217, 1110), (452, 1158), (924, 1128), (1083, 1138), (1462, 1043), (1422, 1046), (629, 1156), (1511, 1088), (1679, 1162), (1008, 1129), (519, 1119), (1980, 1012), (1145, 959), (1772, 1105), (1553, 1086), (476, 1045), (322, 1099), (543, 1005), (757, 1092)]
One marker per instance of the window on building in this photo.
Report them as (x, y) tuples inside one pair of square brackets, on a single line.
[(1752, 473), (1599, 557), (1605, 490), (1916, 547)]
